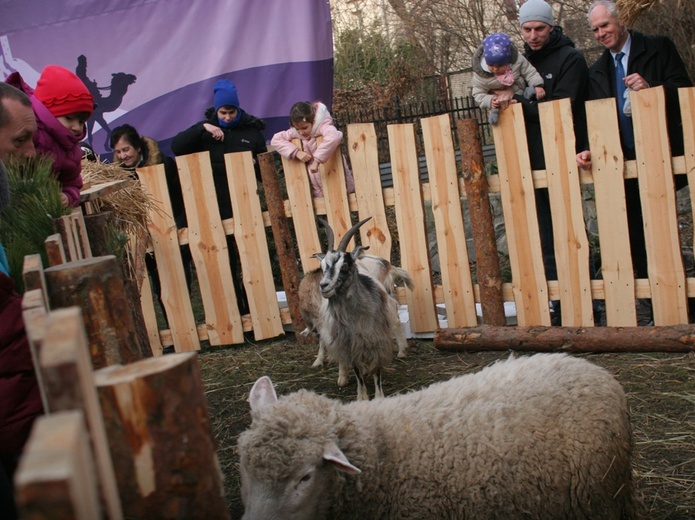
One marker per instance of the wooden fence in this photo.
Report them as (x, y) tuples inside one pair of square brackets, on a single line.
[(411, 200)]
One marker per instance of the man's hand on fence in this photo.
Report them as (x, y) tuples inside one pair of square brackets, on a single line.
[(584, 160)]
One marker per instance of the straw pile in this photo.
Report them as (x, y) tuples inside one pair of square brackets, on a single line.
[(130, 206)]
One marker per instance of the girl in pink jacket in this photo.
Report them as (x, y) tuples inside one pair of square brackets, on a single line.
[(308, 122)]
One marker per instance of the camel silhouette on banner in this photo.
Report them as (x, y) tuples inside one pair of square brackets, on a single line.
[(120, 81)]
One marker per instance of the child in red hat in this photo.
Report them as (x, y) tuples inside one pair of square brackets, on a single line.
[(62, 104)]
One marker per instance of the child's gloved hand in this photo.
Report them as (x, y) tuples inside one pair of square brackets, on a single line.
[(494, 116)]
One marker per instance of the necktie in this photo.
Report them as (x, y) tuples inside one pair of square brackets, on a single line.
[(625, 122)]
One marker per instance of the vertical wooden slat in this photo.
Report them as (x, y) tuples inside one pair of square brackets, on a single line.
[(63, 226), (521, 223), (607, 167), (162, 227), (252, 243), (55, 250), (56, 475), (150, 316), (303, 218), (335, 195), (362, 148), (687, 102), (658, 199), (66, 369), (410, 216), (33, 275), (457, 284), (35, 316), (79, 230), (208, 244), (569, 233)]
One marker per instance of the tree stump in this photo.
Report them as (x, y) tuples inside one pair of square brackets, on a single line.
[(96, 285), (161, 440)]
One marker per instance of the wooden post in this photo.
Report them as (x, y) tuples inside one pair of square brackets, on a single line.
[(478, 196), (56, 477), (66, 370), (161, 440), (98, 229), (55, 250), (676, 338), (96, 286), (284, 244)]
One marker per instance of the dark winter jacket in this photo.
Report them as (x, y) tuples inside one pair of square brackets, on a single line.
[(657, 60), (564, 71), (246, 136), (20, 400)]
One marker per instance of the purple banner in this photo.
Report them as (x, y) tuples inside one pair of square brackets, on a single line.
[(152, 63)]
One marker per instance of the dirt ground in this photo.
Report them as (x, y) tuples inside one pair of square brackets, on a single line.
[(660, 389)]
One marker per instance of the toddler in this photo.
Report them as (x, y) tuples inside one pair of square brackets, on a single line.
[(62, 104), (308, 121), (500, 72)]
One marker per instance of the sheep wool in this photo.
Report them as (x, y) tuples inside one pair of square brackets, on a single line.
[(537, 437)]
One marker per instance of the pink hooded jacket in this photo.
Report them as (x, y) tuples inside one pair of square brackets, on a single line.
[(332, 137), (53, 139)]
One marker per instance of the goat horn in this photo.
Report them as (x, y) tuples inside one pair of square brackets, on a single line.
[(329, 234), (351, 232)]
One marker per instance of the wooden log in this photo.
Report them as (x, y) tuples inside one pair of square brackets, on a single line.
[(96, 286), (161, 440), (284, 243), (56, 477), (66, 371), (63, 226), (100, 227), (676, 338), (478, 196)]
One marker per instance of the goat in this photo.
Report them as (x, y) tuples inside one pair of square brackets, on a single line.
[(357, 318), (378, 268)]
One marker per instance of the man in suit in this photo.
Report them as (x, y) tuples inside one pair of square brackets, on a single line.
[(635, 61)]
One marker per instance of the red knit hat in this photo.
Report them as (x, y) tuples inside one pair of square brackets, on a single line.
[(62, 92)]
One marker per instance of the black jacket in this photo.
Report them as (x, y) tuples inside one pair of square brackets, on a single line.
[(656, 59), (247, 136), (565, 72)]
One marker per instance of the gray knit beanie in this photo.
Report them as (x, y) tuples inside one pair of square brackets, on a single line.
[(536, 11)]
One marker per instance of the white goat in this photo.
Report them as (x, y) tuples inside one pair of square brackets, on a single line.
[(357, 318), (378, 268)]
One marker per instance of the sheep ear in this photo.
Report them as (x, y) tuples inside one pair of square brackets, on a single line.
[(332, 454), (262, 394)]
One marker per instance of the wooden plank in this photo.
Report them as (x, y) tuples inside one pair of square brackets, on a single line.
[(252, 243), (687, 102), (658, 199), (362, 147), (521, 223), (448, 218), (303, 217), (410, 217), (209, 249), (609, 195), (161, 441), (56, 475), (62, 225), (66, 369), (35, 315), (79, 230), (566, 205), (150, 316), (335, 195), (33, 276), (106, 188), (164, 235)]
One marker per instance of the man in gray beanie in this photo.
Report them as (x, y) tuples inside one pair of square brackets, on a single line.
[(565, 73)]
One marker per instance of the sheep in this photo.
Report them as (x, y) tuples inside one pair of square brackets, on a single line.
[(357, 318), (378, 268), (536, 437)]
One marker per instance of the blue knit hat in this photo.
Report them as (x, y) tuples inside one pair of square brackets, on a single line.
[(497, 49), (225, 94)]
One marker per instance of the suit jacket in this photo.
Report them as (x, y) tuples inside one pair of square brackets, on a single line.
[(657, 60)]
